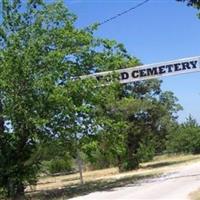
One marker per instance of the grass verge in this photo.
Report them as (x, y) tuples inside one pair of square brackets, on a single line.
[(64, 187)]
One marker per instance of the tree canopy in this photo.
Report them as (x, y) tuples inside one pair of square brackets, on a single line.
[(42, 53), (42, 101)]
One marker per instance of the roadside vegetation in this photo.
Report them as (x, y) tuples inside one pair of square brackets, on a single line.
[(53, 123)]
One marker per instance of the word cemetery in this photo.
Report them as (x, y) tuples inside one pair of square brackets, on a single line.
[(127, 75)]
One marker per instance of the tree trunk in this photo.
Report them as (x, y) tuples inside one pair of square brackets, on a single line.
[(132, 146), (16, 191), (20, 192)]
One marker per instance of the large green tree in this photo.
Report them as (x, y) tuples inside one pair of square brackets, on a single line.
[(41, 55), (149, 114), (138, 121)]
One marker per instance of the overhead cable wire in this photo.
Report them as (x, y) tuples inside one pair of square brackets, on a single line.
[(123, 13)]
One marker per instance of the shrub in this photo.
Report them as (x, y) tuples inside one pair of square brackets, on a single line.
[(186, 139), (59, 165), (146, 152)]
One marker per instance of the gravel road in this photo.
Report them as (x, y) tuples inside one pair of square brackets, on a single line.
[(171, 186)]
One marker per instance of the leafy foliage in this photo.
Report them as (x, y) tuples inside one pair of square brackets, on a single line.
[(150, 118), (194, 3), (185, 139), (138, 121), (45, 108), (42, 53)]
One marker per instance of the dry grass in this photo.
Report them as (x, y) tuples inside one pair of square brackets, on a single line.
[(195, 195), (68, 185)]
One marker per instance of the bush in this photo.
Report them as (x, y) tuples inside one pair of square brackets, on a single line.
[(2, 194), (146, 152), (129, 163), (186, 139), (59, 165)]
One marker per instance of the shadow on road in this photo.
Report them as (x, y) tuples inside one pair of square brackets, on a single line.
[(77, 189), (105, 185)]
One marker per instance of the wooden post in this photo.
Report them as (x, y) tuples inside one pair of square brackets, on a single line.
[(80, 166)]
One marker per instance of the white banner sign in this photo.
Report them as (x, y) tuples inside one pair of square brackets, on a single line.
[(158, 70)]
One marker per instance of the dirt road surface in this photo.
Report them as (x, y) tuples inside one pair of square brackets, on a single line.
[(170, 186)]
